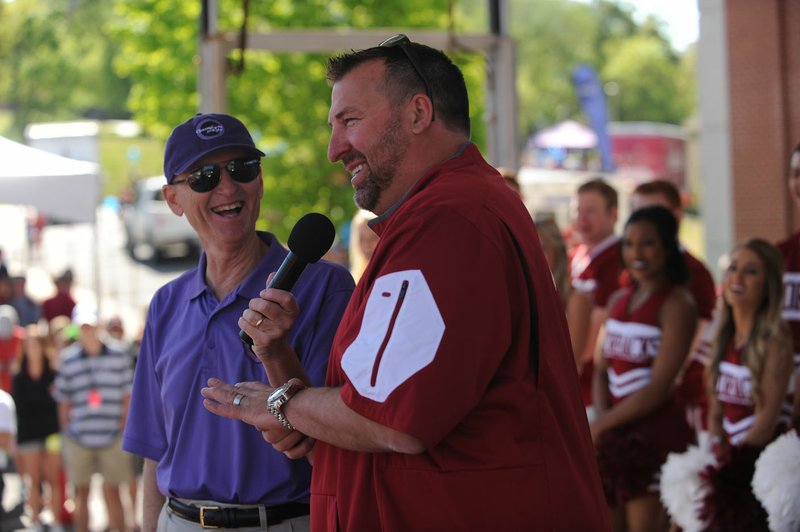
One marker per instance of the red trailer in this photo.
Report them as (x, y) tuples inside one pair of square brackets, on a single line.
[(649, 150)]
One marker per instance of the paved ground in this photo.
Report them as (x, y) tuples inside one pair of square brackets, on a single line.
[(16, 518), (126, 287), (104, 272)]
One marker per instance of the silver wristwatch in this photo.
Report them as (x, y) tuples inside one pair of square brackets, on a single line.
[(280, 396)]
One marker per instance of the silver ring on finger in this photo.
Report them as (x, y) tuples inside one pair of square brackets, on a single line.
[(238, 399)]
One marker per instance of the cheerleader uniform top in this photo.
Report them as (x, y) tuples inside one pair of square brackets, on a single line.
[(631, 342), (734, 392), (790, 249)]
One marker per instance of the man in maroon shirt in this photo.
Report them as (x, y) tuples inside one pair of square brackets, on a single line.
[(62, 303), (595, 266), (452, 401)]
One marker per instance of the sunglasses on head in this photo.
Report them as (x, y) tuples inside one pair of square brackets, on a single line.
[(405, 45), (208, 176)]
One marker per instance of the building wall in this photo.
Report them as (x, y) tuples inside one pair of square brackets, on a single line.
[(791, 34), (763, 47), (716, 173)]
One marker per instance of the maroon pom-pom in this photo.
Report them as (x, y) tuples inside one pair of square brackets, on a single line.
[(628, 465), (730, 503)]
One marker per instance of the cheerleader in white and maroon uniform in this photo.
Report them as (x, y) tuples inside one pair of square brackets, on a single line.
[(645, 342), (776, 481), (790, 249), (749, 375), (691, 389)]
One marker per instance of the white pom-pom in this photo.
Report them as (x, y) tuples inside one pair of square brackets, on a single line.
[(682, 488), (776, 482)]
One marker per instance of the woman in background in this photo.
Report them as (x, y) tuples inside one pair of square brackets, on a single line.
[(363, 241), (37, 425), (749, 375), (642, 348), (555, 251)]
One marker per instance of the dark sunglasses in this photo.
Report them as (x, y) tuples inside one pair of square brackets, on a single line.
[(405, 45), (207, 177)]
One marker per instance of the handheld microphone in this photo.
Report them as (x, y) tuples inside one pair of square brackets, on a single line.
[(310, 238)]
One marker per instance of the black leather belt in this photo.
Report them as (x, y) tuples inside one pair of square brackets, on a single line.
[(216, 517)]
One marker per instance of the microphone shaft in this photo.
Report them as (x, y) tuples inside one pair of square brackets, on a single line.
[(285, 278), (288, 273)]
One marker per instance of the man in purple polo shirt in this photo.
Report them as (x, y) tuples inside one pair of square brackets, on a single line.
[(202, 470)]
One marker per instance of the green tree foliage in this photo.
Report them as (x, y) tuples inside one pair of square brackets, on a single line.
[(283, 98), (614, 22), (650, 85), (552, 37), (555, 35), (66, 59), (57, 62), (686, 80)]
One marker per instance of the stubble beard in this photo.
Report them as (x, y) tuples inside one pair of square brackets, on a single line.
[(387, 155)]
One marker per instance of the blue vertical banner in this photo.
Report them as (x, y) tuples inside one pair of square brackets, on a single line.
[(593, 103)]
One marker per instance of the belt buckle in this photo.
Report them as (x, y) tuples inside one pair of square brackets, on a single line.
[(203, 516)]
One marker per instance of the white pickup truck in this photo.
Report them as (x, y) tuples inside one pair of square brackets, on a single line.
[(150, 224)]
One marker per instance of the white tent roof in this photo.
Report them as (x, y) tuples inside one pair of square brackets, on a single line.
[(568, 134), (61, 188)]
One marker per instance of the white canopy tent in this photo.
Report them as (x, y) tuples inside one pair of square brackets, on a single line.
[(568, 135), (64, 189)]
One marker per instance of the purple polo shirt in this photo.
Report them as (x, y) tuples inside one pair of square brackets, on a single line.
[(189, 336)]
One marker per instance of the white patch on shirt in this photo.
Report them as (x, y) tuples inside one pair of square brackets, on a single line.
[(584, 286), (633, 342), (631, 381), (738, 431), (734, 384), (400, 334), (791, 296)]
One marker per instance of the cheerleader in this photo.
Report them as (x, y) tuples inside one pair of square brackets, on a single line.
[(790, 249), (642, 349), (751, 363)]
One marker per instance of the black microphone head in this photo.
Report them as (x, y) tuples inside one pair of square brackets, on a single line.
[(311, 237)]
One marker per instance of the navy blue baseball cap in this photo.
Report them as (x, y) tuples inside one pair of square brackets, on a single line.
[(201, 135)]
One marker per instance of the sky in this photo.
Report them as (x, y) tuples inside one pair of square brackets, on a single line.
[(680, 16)]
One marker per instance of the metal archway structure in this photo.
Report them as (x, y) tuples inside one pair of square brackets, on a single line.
[(499, 48)]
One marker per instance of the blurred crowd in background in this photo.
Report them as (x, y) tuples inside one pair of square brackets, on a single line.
[(672, 366)]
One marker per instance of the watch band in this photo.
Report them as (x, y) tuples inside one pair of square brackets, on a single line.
[(278, 399), (280, 417)]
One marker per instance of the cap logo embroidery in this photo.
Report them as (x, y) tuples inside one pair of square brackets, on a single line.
[(208, 129)]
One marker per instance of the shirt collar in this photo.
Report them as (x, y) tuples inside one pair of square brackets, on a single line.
[(468, 148), (103, 351), (607, 242), (255, 282)]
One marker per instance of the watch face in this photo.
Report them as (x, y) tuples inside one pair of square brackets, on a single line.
[(281, 395), (277, 393)]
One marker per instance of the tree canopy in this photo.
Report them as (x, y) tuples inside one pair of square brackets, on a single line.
[(57, 58), (67, 59), (636, 59), (283, 97)]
